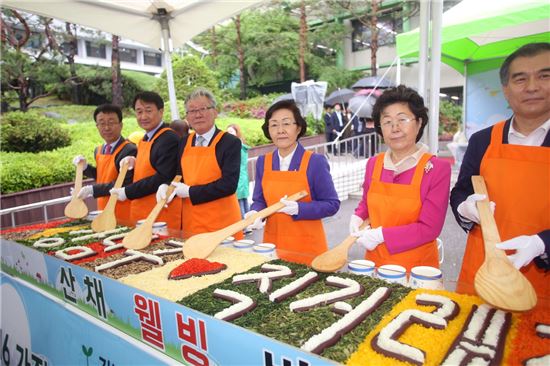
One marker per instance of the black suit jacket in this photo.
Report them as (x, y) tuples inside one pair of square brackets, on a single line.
[(335, 123), (163, 159), (102, 189), (228, 156)]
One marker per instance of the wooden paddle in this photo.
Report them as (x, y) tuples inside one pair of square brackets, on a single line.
[(106, 220), (497, 281), (76, 208), (335, 258), (201, 245), (140, 237)]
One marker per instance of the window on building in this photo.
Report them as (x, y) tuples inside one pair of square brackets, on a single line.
[(94, 49), (128, 54), (35, 40), (388, 28), (152, 58)]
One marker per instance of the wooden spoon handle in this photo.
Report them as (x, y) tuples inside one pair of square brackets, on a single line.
[(273, 208), (160, 204), (348, 242), (121, 175), (78, 178), (489, 229)]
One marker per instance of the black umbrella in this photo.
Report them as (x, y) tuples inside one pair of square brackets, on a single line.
[(362, 105), (340, 96), (371, 81)]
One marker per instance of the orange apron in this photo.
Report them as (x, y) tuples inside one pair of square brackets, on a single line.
[(518, 181), (297, 240), (141, 207), (106, 173), (393, 204), (200, 166)]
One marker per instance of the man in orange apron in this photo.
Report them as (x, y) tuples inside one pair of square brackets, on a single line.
[(154, 164), (513, 157), (209, 161), (108, 118)]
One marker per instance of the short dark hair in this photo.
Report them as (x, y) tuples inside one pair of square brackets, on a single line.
[(149, 97), (528, 50), (291, 106), (401, 94), (108, 108)]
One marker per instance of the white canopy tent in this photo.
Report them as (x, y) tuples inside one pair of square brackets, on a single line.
[(156, 23)]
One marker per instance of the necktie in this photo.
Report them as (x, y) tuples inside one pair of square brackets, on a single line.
[(200, 141), (145, 137), (108, 149)]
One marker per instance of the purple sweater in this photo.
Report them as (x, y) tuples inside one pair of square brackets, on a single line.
[(434, 193), (324, 199)]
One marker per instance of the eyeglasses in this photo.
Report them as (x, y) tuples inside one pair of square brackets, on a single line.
[(103, 125), (285, 124), (401, 121), (198, 110)]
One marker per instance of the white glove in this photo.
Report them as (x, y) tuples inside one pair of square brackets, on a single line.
[(468, 209), (354, 223), (77, 159), (120, 192), (369, 238), (131, 160), (527, 247), (257, 224), (85, 192), (291, 207)]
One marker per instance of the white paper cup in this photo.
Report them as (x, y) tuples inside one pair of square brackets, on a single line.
[(160, 228), (228, 240), (393, 273), (244, 245), (362, 267), (267, 249), (426, 277)]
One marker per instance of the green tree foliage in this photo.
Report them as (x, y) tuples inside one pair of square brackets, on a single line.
[(31, 132), (190, 72), (450, 117), (338, 77)]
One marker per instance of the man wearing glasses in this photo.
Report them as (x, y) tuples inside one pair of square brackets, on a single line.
[(108, 118), (209, 161), (155, 162)]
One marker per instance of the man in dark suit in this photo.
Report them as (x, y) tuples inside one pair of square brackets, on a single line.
[(155, 162), (210, 161), (329, 136), (338, 121)]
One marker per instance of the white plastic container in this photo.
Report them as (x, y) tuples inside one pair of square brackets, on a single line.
[(228, 241), (160, 228), (93, 214), (393, 273), (362, 267), (244, 245), (426, 277), (267, 249)]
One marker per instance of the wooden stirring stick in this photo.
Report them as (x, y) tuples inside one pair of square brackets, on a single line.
[(76, 208), (106, 220)]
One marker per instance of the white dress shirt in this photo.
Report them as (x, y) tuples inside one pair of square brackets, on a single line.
[(207, 136), (284, 163), (407, 162), (535, 138)]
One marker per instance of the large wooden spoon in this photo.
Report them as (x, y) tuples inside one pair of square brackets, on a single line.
[(76, 208), (106, 220), (335, 258), (141, 236), (201, 245), (497, 281)]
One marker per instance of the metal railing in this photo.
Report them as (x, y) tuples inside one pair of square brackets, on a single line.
[(31, 206), (346, 159)]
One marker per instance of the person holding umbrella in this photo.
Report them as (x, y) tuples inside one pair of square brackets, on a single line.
[(406, 189), (296, 229)]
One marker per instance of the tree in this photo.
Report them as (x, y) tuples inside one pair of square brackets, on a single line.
[(29, 79), (240, 53), (116, 75), (190, 72), (303, 40)]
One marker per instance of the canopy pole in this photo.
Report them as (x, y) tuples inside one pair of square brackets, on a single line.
[(398, 71), (424, 26), (464, 97), (435, 74), (166, 52)]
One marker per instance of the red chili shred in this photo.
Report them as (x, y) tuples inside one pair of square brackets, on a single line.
[(195, 267), (35, 227)]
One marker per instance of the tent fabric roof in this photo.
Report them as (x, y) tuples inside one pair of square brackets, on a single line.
[(133, 19), (482, 33)]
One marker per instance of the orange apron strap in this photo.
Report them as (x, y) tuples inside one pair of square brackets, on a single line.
[(268, 162), (305, 161), (378, 165), (419, 171)]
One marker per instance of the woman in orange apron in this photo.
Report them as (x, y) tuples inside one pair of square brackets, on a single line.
[(296, 230), (406, 189)]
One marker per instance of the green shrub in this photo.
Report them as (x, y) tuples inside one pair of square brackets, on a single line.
[(31, 132), (450, 117)]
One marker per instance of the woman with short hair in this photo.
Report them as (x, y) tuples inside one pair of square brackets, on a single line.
[(406, 189), (296, 229)]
